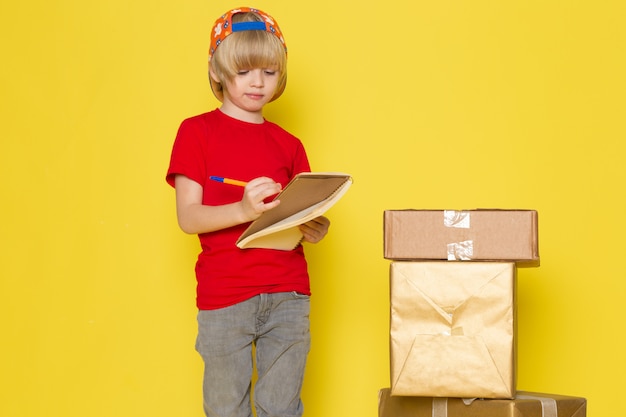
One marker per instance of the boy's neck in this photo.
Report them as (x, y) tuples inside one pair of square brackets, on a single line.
[(240, 114)]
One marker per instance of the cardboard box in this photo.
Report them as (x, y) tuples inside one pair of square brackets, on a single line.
[(452, 329), (493, 235), (527, 404)]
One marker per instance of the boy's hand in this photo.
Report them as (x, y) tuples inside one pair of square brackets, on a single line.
[(256, 191), (315, 230)]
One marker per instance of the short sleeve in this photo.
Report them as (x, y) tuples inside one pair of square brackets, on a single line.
[(300, 161), (187, 156)]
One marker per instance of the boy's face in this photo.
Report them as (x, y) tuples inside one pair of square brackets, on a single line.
[(250, 90)]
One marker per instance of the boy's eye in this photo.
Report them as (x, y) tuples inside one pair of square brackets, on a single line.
[(265, 71)]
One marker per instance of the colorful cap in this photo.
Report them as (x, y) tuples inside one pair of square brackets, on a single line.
[(224, 26)]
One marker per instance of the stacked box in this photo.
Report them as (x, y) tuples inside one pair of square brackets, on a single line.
[(453, 315), (452, 329), (527, 404), (495, 235)]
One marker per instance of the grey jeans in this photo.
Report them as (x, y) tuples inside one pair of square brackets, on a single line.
[(278, 326)]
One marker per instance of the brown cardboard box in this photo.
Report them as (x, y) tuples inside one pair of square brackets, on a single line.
[(496, 235), (527, 404), (452, 329)]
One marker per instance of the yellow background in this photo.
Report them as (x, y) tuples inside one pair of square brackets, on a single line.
[(428, 104)]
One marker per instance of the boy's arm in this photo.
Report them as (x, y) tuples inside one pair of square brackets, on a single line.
[(194, 217)]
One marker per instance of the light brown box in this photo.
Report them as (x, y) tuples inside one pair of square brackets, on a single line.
[(452, 329), (494, 235), (527, 404)]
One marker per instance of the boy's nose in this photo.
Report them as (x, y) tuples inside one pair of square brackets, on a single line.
[(257, 78)]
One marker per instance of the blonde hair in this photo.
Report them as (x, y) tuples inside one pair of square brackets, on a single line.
[(249, 49)]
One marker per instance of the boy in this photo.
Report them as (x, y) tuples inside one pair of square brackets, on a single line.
[(245, 297)]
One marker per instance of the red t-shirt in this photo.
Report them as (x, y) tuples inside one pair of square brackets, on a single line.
[(216, 144)]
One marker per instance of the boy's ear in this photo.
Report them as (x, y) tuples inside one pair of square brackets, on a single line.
[(214, 76), (216, 85)]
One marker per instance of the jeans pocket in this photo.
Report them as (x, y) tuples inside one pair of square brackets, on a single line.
[(299, 296)]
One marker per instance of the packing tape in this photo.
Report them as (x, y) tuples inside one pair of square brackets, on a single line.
[(457, 219), (548, 405), (461, 251), (440, 407)]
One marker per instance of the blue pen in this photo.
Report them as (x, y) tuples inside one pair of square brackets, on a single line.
[(228, 181)]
